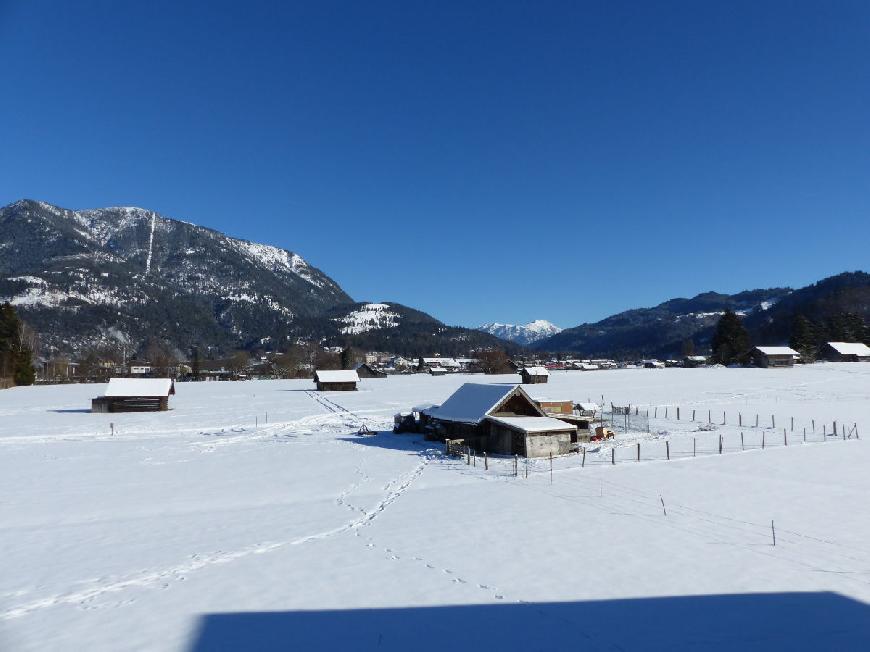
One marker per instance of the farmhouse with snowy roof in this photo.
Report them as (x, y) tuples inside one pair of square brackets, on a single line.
[(774, 356), (846, 351), (337, 380), (135, 395), (500, 419), (534, 375)]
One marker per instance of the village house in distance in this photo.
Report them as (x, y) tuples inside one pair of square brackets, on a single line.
[(135, 395), (336, 380), (774, 356), (846, 352)]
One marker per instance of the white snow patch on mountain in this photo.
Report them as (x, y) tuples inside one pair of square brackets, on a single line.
[(370, 317), (522, 334)]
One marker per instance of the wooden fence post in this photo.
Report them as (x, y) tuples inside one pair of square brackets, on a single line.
[(694, 446), (740, 419), (762, 440), (773, 421), (551, 468), (693, 415), (668, 448), (613, 455), (516, 465), (720, 444), (709, 416), (666, 412), (638, 451), (756, 420), (485, 461), (678, 413), (742, 447), (656, 412), (805, 435), (784, 437), (773, 532), (792, 424), (583, 463)]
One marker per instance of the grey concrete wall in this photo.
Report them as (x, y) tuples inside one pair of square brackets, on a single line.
[(544, 444)]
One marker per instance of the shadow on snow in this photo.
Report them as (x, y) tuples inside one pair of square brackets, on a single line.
[(746, 622)]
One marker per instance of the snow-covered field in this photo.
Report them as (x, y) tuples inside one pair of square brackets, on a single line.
[(196, 529)]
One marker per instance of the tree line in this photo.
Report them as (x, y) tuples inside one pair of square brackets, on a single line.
[(17, 343)]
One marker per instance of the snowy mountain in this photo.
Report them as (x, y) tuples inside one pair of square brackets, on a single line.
[(524, 334), (660, 331), (122, 276), (93, 277)]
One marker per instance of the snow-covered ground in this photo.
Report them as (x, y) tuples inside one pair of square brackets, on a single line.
[(251, 516)]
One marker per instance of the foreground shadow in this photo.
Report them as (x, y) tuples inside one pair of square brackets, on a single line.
[(72, 410), (771, 621)]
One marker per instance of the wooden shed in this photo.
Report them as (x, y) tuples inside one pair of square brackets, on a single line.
[(846, 352), (534, 375), (500, 419), (774, 356), (135, 395), (368, 371), (336, 380)]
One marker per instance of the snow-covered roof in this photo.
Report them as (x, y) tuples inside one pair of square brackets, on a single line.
[(123, 387), (336, 376), (697, 358), (533, 424), (537, 371), (471, 402), (850, 348), (587, 407), (776, 350)]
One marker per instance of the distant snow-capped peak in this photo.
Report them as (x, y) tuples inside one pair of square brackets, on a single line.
[(523, 333)]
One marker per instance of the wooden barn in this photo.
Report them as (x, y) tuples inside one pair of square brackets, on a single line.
[(368, 371), (774, 356), (534, 375), (336, 380), (135, 395), (437, 371), (846, 352), (500, 419)]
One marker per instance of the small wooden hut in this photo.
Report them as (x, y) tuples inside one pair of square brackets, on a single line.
[(135, 395), (336, 380), (534, 375), (774, 356), (846, 352)]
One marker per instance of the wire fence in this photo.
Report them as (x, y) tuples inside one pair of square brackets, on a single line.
[(655, 447)]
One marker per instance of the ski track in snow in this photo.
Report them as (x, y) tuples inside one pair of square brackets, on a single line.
[(395, 488)]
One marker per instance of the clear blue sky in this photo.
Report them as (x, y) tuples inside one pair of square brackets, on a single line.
[(503, 162)]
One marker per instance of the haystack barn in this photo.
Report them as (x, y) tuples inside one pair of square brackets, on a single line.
[(368, 371), (500, 419), (135, 395), (774, 356), (338, 380), (846, 352), (534, 375)]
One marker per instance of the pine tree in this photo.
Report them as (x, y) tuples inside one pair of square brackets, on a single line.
[(804, 338), (16, 354), (730, 342), (347, 358)]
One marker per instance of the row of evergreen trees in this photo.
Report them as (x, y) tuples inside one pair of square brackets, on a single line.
[(16, 349)]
